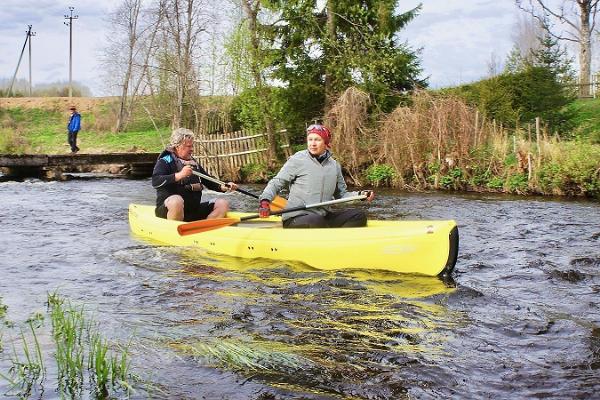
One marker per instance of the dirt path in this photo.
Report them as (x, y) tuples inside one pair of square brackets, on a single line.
[(84, 104)]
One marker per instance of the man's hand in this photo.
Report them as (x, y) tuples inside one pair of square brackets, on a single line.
[(229, 187), (369, 193), (263, 209), (184, 173)]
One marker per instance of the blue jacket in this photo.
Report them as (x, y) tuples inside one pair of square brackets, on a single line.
[(74, 124)]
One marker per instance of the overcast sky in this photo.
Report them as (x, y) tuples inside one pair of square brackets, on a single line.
[(457, 38)]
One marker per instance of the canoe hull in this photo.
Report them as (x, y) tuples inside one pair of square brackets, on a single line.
[(422, 247)]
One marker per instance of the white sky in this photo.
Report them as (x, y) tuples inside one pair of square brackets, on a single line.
[(457, 38)]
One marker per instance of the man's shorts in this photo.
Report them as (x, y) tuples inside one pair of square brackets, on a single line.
[(191, 213)]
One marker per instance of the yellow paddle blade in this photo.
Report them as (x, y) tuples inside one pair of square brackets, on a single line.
[(278, 204), (205, 225)]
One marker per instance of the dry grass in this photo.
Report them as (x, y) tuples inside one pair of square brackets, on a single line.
[(351, 142)]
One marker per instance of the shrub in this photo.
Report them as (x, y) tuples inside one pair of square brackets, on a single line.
[(517, 183), (380, 174)]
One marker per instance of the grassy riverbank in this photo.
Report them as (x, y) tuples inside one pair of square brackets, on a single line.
[(511, 162), (38, 126)]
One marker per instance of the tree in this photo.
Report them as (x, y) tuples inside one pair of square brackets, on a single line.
[(580, 17), (344, 43), (257, 57), (131, 42)]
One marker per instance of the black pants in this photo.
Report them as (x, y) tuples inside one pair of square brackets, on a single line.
[(73, 141), (335, 219)]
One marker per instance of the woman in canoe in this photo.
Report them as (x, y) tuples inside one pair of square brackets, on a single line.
[(178, 190), (313, 176)]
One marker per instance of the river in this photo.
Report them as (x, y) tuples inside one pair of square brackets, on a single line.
[(523, 320)]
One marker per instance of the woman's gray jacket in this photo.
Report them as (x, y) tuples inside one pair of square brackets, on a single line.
[(309, 182)]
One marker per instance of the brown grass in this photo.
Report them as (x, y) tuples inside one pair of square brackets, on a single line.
[(351, 142)]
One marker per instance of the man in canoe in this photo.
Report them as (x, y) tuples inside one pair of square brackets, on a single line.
[(313, 176), (178, 190)]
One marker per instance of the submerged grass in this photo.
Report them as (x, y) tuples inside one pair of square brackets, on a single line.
[(239, 356)]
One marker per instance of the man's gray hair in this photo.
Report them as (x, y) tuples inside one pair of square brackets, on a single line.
[(179, 135)]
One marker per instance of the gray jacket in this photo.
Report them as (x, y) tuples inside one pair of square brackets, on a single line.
[(309, 182)]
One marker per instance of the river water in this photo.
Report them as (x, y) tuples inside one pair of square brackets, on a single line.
[(523, 320)]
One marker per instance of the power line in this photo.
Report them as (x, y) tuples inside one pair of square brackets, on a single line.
[(70, 17)]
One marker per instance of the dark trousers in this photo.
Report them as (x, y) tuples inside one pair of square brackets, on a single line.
[(73, 141), (335, 219)]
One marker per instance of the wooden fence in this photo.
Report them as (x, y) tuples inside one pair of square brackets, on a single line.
[(222, 155)]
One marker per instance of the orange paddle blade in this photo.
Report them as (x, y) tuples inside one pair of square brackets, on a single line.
[(205, 225), (278, 203)]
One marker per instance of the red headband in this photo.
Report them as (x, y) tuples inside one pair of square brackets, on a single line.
[(321, 131)]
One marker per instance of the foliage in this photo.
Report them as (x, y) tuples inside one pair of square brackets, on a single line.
[(380, 174), (540, 84), (321, 52), (586, 119)]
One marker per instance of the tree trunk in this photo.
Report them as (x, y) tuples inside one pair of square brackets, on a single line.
[(251, 9), (585, 49), (331, 37)]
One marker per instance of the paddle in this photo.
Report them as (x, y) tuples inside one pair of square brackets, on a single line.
[(278, 203), (209, 224)]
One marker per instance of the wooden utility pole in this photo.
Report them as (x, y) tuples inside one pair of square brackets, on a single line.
[(70, 17), (12, 82)]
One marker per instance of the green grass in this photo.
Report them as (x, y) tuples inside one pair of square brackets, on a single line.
[(41, 131), (78, 344)]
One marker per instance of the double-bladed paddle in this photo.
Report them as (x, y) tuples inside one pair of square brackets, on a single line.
[(209, 224), (278, 203)]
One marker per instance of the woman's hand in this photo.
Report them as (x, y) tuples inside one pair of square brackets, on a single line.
[(263, 209), (369, 193)]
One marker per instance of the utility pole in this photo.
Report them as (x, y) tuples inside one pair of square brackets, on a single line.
[(12, 82), (70, 17), (30, 34)]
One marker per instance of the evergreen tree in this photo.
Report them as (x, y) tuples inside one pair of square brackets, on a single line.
[(321, 52)]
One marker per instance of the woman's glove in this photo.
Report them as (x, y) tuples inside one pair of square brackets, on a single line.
[(263, 209), (369, 193)]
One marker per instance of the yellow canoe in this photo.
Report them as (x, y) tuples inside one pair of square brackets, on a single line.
[(421, 247)]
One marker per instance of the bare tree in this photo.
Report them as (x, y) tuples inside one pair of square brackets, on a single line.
[(579, 16), (133, 32), (251, 10)]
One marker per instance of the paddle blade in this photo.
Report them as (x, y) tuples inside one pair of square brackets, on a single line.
[(205, 225), (278, 204)]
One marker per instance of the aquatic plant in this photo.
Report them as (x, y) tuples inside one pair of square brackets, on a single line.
[(108, 370), (27, 369), (78, 345)]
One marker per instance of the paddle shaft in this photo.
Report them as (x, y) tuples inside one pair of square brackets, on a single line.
[(306, 207), (210, 224), (215, 180)]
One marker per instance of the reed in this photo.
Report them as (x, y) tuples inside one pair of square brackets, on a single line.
[(27, 369), (108, 370), (440, 142)]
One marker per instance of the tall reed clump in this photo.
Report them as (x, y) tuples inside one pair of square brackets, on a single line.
[(27, 367), (440, 142), (348, 119), (430, 139), (77, 338), (81, 354)]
